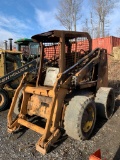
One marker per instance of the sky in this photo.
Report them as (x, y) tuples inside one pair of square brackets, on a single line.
[(25, 18)]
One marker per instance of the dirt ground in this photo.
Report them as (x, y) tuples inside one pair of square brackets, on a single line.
[(106, 136)]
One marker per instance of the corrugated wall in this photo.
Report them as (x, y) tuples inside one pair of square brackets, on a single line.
[(106, 43), (115, 41)]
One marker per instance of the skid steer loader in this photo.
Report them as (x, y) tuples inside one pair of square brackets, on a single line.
[(13, 63), (70, 90)]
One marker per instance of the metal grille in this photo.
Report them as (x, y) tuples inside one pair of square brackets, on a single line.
[(51, 53), (76, 49)]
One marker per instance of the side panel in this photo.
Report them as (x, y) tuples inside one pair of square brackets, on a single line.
[(103, 70)]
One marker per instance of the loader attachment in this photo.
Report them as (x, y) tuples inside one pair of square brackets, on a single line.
[(46, 96)]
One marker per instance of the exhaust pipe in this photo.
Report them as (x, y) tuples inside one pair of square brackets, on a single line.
[(10, 40), (5, 45)]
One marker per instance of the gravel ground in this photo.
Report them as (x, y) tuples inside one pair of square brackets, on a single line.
[(21, 146)]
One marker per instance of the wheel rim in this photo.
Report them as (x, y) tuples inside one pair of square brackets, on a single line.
[(1, 99), (88, 119)]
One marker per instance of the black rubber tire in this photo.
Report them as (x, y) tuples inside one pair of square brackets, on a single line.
[(4, 99), (105, 102), (74, 114), (18, 102)]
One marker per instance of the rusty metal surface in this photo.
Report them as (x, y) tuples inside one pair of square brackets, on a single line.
[(69, 53), (48, 36), (38, 105)]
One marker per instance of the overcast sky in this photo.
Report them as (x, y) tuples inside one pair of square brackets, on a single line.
[(24, 18)]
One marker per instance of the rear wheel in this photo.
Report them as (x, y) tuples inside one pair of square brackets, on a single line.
[(80, 117), (4, 99), (105, 102)]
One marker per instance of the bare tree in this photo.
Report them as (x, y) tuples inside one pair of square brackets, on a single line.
[(69, 13), (103, 8), (90, 25), (86, 25)]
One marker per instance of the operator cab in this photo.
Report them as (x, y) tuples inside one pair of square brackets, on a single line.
[(61, 49), (29, 48)]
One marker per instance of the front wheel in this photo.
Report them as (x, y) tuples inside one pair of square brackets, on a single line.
[(80, 117), (4, 99)]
